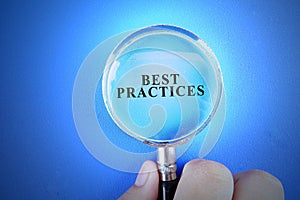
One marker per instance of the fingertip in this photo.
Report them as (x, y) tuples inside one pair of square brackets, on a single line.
[(259, 175), (259, 184), (150, 166), (147, 170), (146, 184), (206, 179), (209, 167)]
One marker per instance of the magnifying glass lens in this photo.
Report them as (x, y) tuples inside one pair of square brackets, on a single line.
[(162, 84)]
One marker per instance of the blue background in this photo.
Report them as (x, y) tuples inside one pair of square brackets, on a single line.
[(44, 44)]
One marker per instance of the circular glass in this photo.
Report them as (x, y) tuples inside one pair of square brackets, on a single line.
[(162, 85)]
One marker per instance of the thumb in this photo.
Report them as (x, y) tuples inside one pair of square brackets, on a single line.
[(146, 184)]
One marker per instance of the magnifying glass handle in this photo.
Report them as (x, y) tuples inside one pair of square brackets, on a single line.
[(166, 162), (167, 189)]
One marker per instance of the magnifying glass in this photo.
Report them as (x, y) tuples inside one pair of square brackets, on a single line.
[(162, 85)]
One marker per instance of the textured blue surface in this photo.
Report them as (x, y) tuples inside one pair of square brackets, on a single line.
[(43, 44)]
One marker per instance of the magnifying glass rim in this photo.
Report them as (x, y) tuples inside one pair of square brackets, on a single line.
[(178, 32)]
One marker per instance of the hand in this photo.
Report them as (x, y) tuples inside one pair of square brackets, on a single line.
[(208, 180)]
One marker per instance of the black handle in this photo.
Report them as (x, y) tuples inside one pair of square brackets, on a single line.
[(167, 189)]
